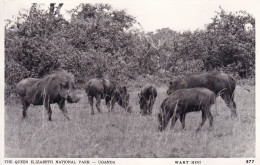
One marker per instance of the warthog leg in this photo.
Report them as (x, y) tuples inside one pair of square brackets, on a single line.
[(98, 98), (151, 106), (210, 117), (151, 103), (90, 99), (150, 110), (204, 117), (182, 118), (48, 108), (229, 100), (174, 119), (25, 107), (108, 102), (175, 114), (63, 109), (113, 101), (144, 111)]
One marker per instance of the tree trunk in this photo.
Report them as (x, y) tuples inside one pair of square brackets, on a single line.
[(51, 13), (57, 12)]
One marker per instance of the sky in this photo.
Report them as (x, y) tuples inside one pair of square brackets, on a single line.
[(179, 15)]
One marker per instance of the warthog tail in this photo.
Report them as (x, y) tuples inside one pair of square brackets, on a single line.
[(238, 83)]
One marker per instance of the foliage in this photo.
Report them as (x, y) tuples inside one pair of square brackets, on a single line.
[(230, 43), (99, 41), (96, 41), (227, 44), (32, 45)]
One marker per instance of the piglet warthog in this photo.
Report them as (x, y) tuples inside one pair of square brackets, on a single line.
[(101, 88), (147, 97), (183, 101)]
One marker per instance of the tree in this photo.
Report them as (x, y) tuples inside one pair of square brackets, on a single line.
[(230, 45), (32, 46), (99, 41), (102, 40)]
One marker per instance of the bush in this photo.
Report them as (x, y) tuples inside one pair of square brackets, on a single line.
[(100, 41)]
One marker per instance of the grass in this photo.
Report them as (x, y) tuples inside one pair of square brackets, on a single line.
[(123, 135)]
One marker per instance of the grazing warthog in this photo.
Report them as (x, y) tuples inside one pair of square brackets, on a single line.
[(54, 88), (101, 88), (183, 101), (147, 98), (220, 83)]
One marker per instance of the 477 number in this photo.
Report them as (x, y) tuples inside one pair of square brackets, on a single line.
[(249, 161)]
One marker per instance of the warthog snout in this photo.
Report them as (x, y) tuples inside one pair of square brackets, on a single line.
[(160, 128), (73, 98)]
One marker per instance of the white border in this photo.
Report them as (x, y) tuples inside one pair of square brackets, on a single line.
[(170, 161)]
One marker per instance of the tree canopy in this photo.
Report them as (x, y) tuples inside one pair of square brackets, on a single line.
[(101, 41)]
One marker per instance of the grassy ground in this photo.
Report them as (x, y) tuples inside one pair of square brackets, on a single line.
[(122, 134)]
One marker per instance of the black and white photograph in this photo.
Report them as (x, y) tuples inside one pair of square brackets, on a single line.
[(88, 82)]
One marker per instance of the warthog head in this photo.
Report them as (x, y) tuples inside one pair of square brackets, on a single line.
[(144, 104), (67, 89), (73, 97), (175, 84), (163, 121)]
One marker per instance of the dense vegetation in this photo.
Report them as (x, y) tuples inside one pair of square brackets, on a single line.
[(101, 41)]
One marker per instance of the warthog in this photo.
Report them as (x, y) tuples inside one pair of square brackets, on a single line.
[(183, 101), (220, 83), (147, 98), (54, 88), (101, 88)]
